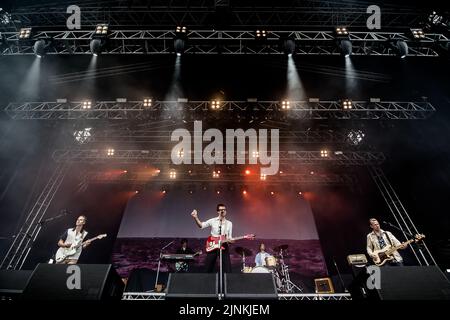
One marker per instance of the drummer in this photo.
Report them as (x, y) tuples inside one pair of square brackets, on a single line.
[(260, 259)]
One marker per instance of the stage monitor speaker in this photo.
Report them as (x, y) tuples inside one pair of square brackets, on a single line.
[(66, 282), (413, 283), (192, 285), (250, 285), (13, 282)]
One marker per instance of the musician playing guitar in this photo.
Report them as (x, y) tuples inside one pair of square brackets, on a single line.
[(219, 226), (379, 239), (71, 236)]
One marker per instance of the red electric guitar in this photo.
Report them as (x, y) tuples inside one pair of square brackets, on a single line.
[(212, 243)]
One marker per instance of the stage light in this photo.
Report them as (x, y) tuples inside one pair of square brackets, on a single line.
[(255, 154), (218, 192), (311, 173), (179, 45), (136, 191), (402, 48), (263, 177), (285, 105), (289, 46), (341, 31), (261, 34), (324, 153), (110, 152), (96, 46), (216, 174), (5, 17), (102, 30), (347, 104), (124, 171), (87, 104), (272, 193), (181, 30), (355, 137), (247, 172), (164, 191), (82, 136), (418, 33), (281, 172), (299, 193), (215, 105), (39, 48), (24, 33), (181, 154), (172, 174), (346, 48), (147, 103), (244, 192)]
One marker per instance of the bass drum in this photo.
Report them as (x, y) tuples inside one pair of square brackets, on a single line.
[(260, 270)]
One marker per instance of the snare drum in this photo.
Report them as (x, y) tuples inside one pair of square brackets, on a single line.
[(260, 270), (247, 270), (271, 261)]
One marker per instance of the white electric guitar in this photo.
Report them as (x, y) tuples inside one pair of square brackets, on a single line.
[(66, 253)]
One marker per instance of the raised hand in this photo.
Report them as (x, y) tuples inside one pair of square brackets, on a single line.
[(194, 214)]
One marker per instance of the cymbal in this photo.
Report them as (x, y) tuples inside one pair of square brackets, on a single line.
[(281, 247), (243, 251)]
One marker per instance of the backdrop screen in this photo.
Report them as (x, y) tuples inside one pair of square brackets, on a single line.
[(153, 219)]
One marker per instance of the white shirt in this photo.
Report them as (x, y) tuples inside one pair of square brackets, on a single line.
[(73, 237), (389, 239), (260, 259), (214, 223)]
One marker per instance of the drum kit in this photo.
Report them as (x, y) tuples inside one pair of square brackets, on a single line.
[(273, 264)]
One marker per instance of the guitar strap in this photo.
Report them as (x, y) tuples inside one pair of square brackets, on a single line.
[(389, 239)]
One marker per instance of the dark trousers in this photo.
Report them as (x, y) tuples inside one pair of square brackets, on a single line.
[(213, 256)]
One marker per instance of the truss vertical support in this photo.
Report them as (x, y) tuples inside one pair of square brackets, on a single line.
[(401, 216), (25, 238)]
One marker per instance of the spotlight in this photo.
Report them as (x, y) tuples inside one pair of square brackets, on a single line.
[(180, 154), (402, 48), (289, 46), (347, 104), (96, 46), (247, 172), (341, 31), (181, 30), (272, 193), (263, 177), (299, 193), (82, 136), (346, 48), (244, 192), (285, 105), (255, 154), (355, 137), (147, 102), (110, 152), (101, 30), (324, 153), (418, 33), (216, 175), (87, 104), (24, 33), (179, 45), (215, 105), (311, 173), (172, 174), (5, 17), (218, 191), (39, 48), (261, 34)]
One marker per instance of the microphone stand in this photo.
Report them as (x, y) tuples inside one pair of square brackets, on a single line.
[(159, 262), (339, 274), (395, 227), (64, 213)]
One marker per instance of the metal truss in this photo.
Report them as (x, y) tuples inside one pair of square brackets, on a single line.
[(305, 13), (163, 137), (199, 179), (222, 42), (24, 239), (287, 296), (351, 158), (401, 216), (321, 110)]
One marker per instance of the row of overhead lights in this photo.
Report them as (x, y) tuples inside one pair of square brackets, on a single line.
[(216, 105), (181, 34)]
